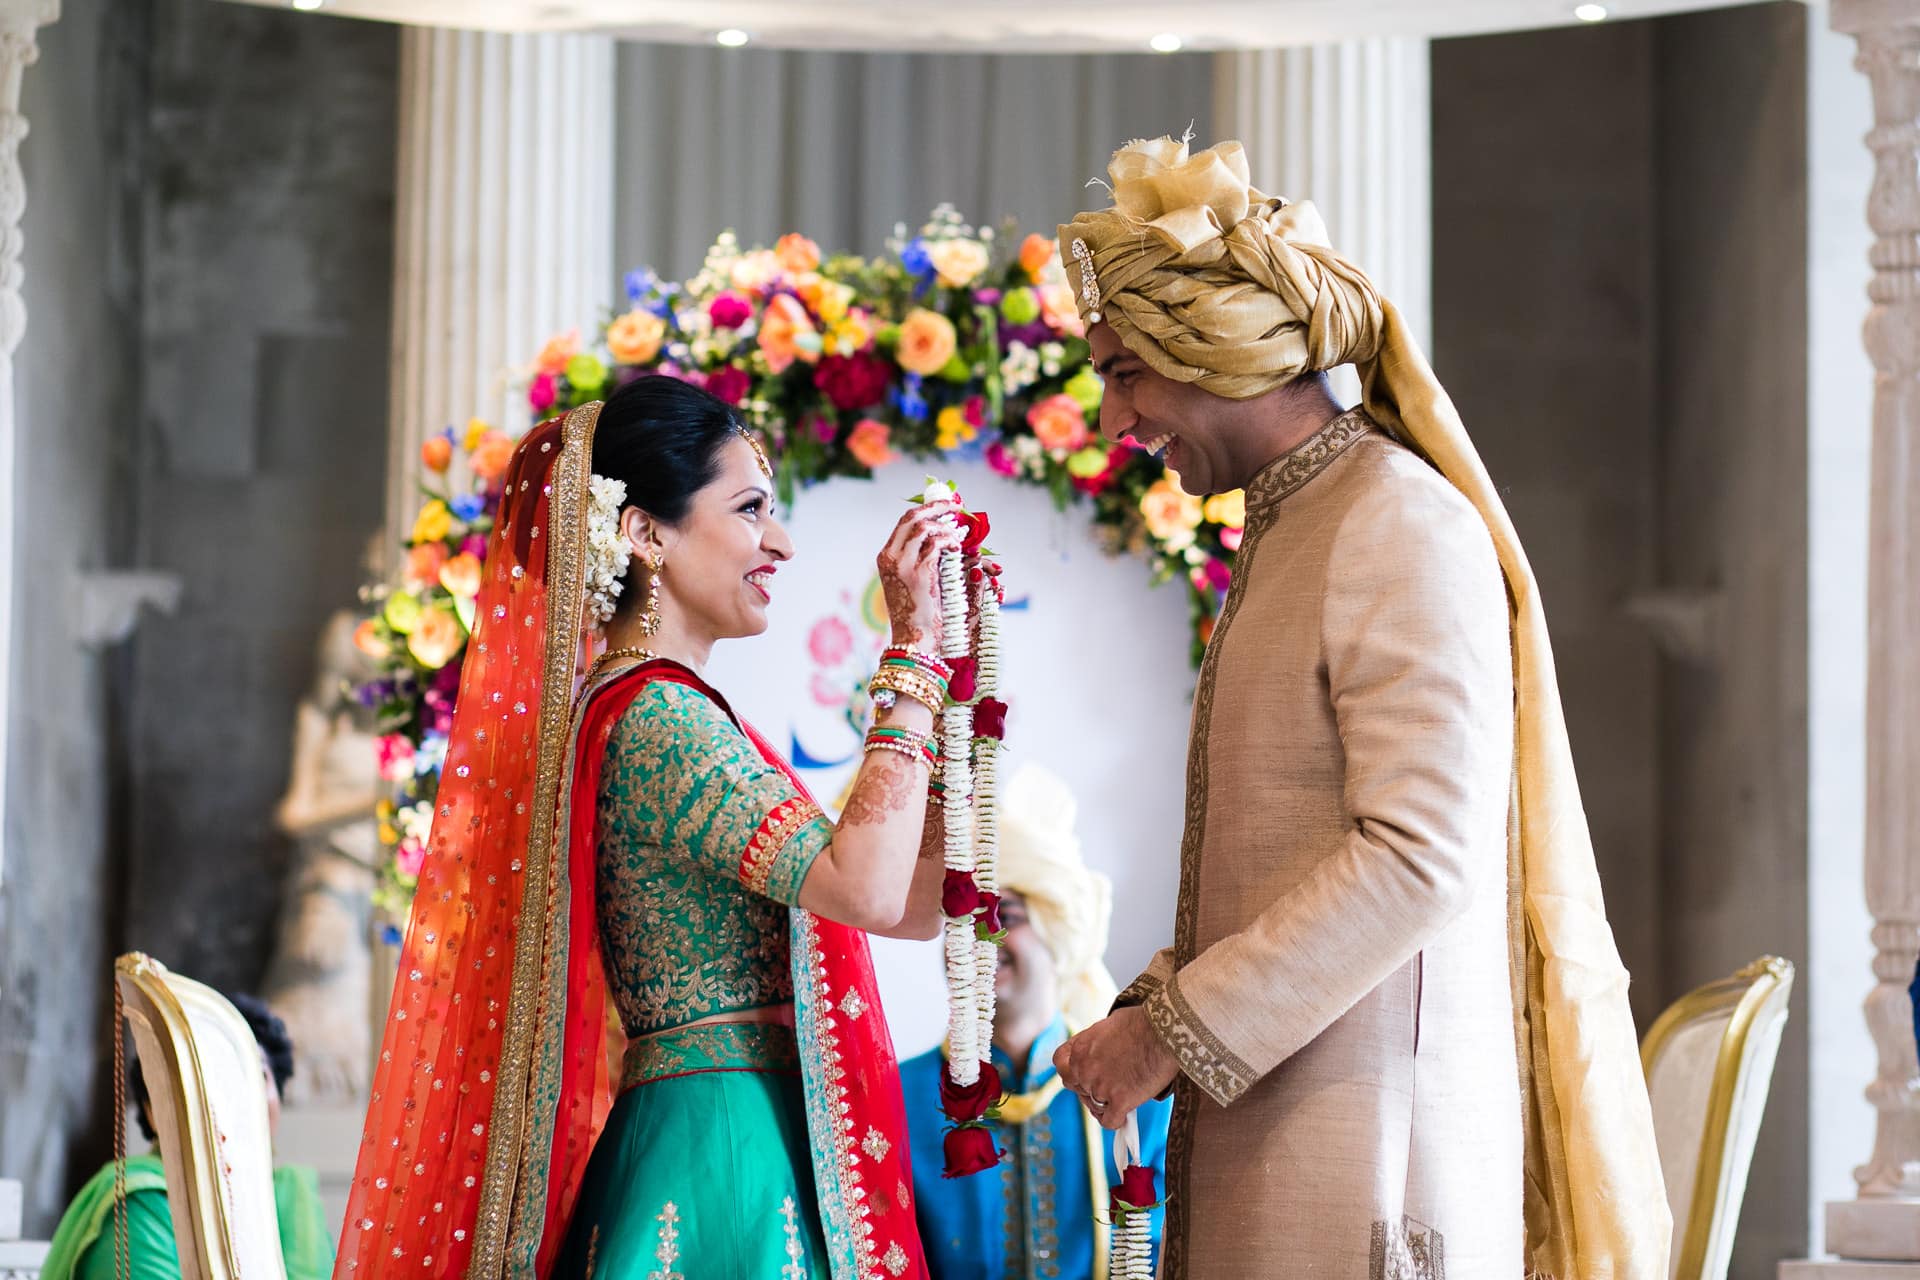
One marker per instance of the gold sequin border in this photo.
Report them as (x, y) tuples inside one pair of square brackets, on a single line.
[(762, 854)]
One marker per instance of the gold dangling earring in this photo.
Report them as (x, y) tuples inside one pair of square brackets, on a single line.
[(650, 616)]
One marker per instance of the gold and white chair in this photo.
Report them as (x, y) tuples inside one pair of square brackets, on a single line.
[(207, 1097), (1709, 1061)]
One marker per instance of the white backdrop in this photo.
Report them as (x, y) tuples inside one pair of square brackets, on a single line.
[(1095, 673)]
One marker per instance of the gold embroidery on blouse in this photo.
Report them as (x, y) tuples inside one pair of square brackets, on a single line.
[(770, 840)]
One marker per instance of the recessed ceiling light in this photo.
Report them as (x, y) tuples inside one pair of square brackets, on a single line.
[(1590, 12), (308, 6), (1166, 42), (732, 38)]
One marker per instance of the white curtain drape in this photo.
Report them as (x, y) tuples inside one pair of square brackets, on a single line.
[(841, 146)]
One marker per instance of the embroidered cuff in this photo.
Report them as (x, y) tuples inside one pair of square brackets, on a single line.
[(1138, 991), (782, 849), (1203, 1058)]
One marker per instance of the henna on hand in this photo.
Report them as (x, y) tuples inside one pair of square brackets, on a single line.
[(888, 783)]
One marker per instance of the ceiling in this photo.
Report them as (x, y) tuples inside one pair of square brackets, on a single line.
[(975, 26)]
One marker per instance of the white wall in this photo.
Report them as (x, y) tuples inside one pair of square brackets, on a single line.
[(1838, 971), (1095, 673)]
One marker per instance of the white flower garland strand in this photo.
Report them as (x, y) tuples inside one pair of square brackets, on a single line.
[(607, 551), (986, 798), (967, 1044), (1132, 1248)]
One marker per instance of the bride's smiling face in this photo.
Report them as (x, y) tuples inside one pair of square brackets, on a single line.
[(720, 558)]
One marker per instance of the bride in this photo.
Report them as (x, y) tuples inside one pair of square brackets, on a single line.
[(635, 1031)]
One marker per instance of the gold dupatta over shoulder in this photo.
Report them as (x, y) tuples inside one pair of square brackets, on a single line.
[(1211, 282)]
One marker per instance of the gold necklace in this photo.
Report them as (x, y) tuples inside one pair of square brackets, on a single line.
[(625, 651)]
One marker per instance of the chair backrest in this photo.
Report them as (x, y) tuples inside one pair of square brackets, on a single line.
[(1709, 1061), (208, 1101)]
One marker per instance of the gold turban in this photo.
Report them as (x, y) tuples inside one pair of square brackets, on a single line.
[(1213, 283), (1069, 904)]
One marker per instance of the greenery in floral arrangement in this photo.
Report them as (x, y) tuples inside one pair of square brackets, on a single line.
[(956, 343)]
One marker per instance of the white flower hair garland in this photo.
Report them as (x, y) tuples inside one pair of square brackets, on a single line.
[(607, 550)]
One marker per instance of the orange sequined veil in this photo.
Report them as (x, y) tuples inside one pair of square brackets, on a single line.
[(501, 1051)]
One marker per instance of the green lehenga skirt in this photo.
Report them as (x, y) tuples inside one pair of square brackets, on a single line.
[(704, 1171)]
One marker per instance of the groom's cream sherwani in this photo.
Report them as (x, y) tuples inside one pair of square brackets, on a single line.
[(1338, 991)]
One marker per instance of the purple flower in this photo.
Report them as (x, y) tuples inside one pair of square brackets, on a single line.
[(824, 429), (469, 506), (640, 282)]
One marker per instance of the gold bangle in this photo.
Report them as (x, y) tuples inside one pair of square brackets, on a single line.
[(899, 748)]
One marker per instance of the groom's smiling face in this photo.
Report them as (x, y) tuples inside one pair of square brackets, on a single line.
[(1193, 430)]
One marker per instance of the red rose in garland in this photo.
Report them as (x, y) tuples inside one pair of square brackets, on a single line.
[(959, 895), (989, 923), (1136, 1189), (990, 719), (964, 1104), (965, 671), (853, 382), (969, 1149), (977, 527)]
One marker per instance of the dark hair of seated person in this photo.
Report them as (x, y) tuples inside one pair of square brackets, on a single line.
[(267, 1028)]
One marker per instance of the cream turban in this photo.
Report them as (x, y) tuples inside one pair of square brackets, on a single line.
[(1069, 904), (1211, 282)]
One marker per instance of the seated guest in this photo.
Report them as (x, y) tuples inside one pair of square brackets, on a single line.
[(83, 1244), (1043, 1212)]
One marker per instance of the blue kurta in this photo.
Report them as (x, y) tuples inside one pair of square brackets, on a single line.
[(1032, 1219)]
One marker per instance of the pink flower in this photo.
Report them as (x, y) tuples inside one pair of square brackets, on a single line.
[(730, 383), (542, 392), (1219, 576), (410, 857), (730, 310), (868, 443), (396, 757), (1001, 459), (827, 691), (1059, 422), (1230, 538), (830, 642)]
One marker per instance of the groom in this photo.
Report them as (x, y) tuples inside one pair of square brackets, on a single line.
[(1392, 995)]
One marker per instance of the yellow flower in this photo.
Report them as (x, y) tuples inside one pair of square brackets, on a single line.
[(1171, 513), (635, 337), (952, 428), (1229, 509), (433, 523), (477, 428), (849, 334), (958, 262), (927, 342)]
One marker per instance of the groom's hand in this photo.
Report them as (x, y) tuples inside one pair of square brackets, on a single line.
[(1117, 1062)]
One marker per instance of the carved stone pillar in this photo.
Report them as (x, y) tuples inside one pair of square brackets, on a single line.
[(504, 226), (1347, 126), (19, 20), (1883, 1222)]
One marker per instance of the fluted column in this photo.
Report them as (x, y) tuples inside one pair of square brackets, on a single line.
[(1347, 126), (19, 20), (504, 225)]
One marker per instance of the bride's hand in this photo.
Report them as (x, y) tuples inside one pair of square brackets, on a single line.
[(910, 573)]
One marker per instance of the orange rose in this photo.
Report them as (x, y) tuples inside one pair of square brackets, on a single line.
[(797, 253), (787, 334), (867, 442), (424, 561), (927, 342), (635, 337), (1059, 423), (461, 575), (491, 457), (1058, 310), (436, 639), (366, 638), (436, 453), (1171, 513), (1035, 253), (559, 349)]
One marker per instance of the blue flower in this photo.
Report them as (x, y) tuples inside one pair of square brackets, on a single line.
[(390, 934), (915, 258), (430, 755), (469, 507), (907, 399), (640, 282)]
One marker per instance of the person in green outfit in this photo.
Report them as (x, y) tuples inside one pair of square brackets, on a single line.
[(83, 1244)]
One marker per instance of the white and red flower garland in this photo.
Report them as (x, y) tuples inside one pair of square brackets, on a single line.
[(970, 729), (1130, 1206)]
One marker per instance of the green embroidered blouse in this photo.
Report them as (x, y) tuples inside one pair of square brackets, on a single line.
[(703, 845)]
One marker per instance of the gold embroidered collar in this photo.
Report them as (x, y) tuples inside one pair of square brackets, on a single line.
[(1290, 471)]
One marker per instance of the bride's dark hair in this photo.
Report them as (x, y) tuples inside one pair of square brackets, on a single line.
[(662, 437)]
